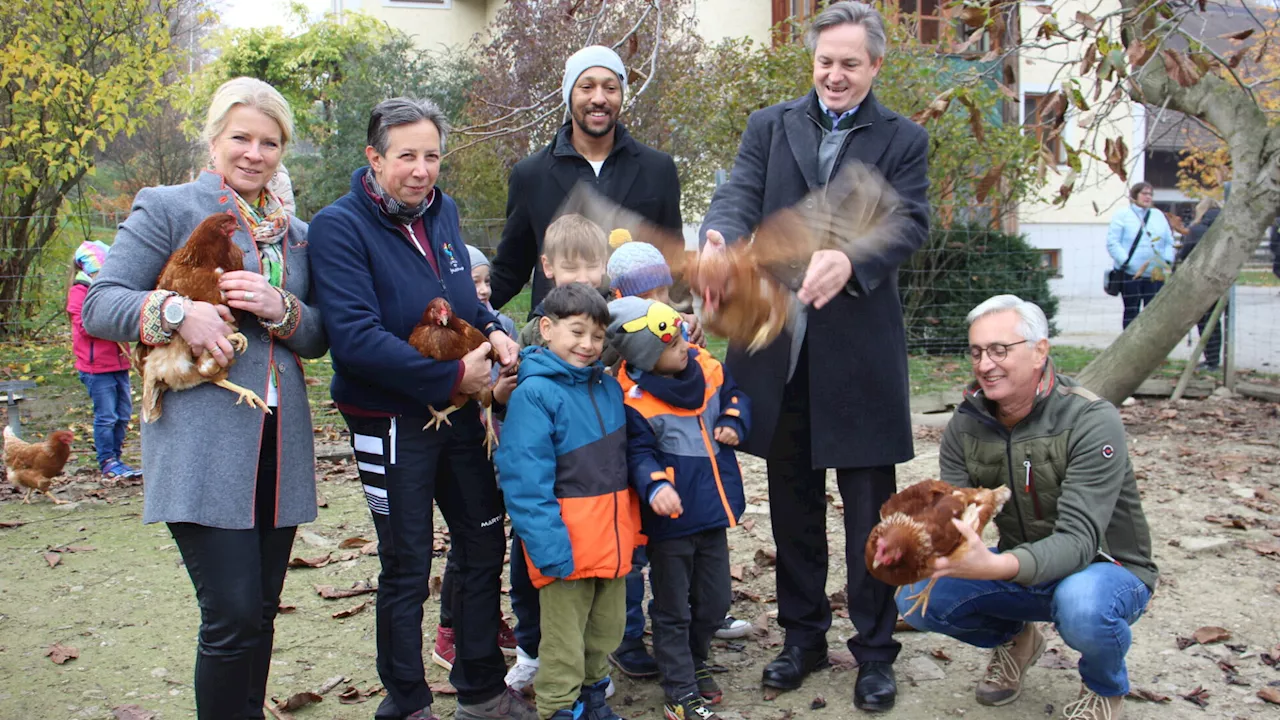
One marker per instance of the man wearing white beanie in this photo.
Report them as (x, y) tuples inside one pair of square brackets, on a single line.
[(592, 146)]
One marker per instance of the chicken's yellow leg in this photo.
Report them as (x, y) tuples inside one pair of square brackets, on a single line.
[(246, 395), (440, 418), (55, 500), (921, 599), (490, 437)]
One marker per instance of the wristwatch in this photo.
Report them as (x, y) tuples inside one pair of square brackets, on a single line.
[(175, 312)]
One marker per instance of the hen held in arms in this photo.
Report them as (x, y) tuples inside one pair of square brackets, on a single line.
[(749, 289)]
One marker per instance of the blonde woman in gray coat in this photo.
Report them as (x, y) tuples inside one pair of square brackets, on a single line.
[(232, 482)]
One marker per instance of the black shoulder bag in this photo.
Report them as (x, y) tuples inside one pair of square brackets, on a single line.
[(1114, 278)]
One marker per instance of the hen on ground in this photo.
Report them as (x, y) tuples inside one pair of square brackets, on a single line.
[(35, 465)]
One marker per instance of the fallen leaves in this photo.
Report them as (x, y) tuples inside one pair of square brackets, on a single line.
[(131, 712), (766, 557), (442, 687), (52, 558), (818, 703), (360, 587), (1268, 548), (353, 542), (941, 654), (353, 610), (318, 561), (737, 572), (1148, 695), (1055, 659), (61, 654), (8, 524), (297, 701), (352, 695), (1211, 634), (1199, 696), (1270, 694)]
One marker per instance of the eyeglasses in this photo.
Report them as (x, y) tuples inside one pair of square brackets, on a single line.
[(996, 351)]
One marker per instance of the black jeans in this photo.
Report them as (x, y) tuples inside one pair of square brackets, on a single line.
[(798, 508), (1137, 293), (524, 601), (403, 469), (238, 576), (691, 594), (1213, 349), (448, 590)]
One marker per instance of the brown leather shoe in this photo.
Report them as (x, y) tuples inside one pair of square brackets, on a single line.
[(1003, 682)]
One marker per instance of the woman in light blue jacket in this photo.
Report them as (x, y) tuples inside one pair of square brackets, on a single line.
[(1140, 241)]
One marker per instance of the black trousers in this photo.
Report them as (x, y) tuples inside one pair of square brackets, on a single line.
[(1137, 293), (403, 469), (238, 576), (691, 594), (1213, 349), (798, 507)]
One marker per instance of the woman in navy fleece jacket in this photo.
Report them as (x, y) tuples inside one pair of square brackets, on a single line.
[(379, 255)]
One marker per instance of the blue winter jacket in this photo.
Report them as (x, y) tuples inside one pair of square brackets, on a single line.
[(562, 465), (671, 425), (1157, 239), (373, 284)]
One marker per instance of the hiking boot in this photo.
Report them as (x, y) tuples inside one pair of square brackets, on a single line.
[(507, 639), (1003, 681), (595, 702), (708, 688), (732, 628), (507, 704), (689, 707), (1092, 706), (634, 660), (444, 652), (520, 676)]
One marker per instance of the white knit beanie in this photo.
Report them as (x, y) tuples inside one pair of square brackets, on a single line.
[(589, 57)]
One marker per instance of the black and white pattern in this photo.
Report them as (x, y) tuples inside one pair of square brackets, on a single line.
[(373, 455)]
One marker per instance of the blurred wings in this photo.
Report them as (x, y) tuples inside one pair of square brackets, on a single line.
[(755, 279)]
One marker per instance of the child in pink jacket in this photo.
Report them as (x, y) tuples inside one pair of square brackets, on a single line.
[(104, 369)]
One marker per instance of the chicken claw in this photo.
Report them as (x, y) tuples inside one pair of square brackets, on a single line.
[(239, 343), (921, 599), (55, 500), (26, 499), (439, 419), (245, 395), (490, 437)]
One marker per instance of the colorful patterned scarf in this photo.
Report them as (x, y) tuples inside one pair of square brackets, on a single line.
[(268, 224), (396, 210)]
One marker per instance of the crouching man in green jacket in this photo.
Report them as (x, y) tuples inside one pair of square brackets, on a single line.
[(1074, 546)]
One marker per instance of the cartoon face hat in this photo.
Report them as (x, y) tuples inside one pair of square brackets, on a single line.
[(641, 330)]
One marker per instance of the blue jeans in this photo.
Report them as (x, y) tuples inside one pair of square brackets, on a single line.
[(635, 596), (112, 407), (1092, 610)]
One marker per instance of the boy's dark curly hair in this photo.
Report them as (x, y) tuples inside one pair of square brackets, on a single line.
[(576, 299)]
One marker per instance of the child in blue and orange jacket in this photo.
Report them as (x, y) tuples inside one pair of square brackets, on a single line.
[(562, 466), (684, 415), (104, 369)]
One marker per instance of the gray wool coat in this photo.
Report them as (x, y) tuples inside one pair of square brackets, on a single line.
[(200, 458)]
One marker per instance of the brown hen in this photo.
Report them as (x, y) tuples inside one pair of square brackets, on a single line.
[(441, 335), (35, 465), (193, 272), (915, 529), (748, 290)]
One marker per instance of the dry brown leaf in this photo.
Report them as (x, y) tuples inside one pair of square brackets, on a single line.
[(1233, 61), (73, 548), (131, 712), (284, 609), (318, 561), (1115, 152), (354, 696), (988, 181), (7, 524), (1044, 9), (60, 653), (748, 525), (1199, 696), (1008, 91), (1211, 634), (369, 548), (941, 654), (442, 687), (1148, 695), (1264, 548), (1237, 35), (1184, 642), (52, 558), (353, 610), (934, 109), (1087, 20), (352, 542), (1090, 57), (361, 587), (1270, 694), (975, 119), (766, 557), (1055, 659), (298, 700), (737, 572)]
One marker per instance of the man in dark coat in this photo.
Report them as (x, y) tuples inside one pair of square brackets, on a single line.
[(591, 147), (836, 394), (1212, 349)]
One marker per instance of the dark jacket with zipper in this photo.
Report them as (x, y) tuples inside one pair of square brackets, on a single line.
[(859, 401), (563, 469), (671, 423), (373, 284), (1075, 500), (634, 175), (1196, 233)]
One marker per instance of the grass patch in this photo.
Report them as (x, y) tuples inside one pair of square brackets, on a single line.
[(1257, 277)]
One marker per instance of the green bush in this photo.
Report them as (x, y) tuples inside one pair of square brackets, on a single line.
[(960, 267)]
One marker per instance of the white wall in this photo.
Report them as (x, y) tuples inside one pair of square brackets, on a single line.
[(720, 19), (433, 27), (1082, 255)]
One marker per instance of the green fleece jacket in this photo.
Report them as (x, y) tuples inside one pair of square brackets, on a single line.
[(1075, 500)]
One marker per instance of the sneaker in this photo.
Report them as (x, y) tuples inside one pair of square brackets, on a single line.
[(689, 707), (594, 702), (506, 705), (708, 688), (131, 472), (444, 652), (113, 469), (732, 628), (507, 639), (1092, 706), (1003, 681), (564, 714), (634, 660), (520, 676)]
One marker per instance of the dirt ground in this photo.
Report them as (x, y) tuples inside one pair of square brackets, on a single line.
[(119, 596)]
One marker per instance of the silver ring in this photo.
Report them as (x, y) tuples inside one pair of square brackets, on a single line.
[(248, 295)]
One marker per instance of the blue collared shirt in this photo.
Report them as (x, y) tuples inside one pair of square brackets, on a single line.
[(837, 117)]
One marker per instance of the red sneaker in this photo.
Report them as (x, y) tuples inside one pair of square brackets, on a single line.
[(507, 639), (444, 652)]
